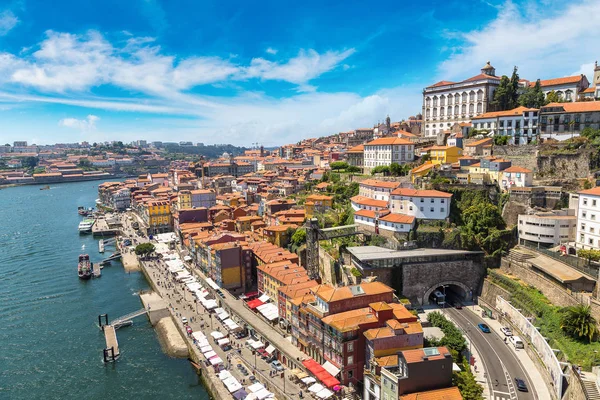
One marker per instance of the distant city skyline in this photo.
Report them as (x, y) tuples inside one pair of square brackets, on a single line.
[(274, 74)]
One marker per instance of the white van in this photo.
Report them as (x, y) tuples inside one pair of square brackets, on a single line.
[(517, 342)]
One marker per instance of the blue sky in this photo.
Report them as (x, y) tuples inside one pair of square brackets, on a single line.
[(268, 72)]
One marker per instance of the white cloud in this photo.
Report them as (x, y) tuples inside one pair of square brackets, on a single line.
[(70, 62), (271, 50), (307, 65), (87, 124), (8, 21), (542, 46)]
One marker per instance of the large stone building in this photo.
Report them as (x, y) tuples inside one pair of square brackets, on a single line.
[(568, 88), (446, 103), (547, 229), (519, 124)]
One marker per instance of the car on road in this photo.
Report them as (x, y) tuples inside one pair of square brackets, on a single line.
[(506, 330), (252, 379), (521, 386), (184, 320), (276, 365), (484, 328), (458, 305)]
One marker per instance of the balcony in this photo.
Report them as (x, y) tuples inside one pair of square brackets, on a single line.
[(316, 310)]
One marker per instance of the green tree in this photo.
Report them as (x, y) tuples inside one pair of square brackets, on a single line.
[(352, 168), (30, 162), (513, 99), (467, 385), (144, 249), (337, 165), (577, 321), (533, 97), (552, 97), (384, 169), (502, 95), (299, 237), (501, 140)]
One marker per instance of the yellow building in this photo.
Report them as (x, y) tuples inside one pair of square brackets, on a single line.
[(159, 216), (317, 203), (278, 234), (422, 170), (444, 154), (184, 200)]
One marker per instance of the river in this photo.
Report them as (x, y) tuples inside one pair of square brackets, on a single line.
[(51, 345)]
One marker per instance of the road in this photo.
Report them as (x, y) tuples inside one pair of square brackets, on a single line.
[(499, 362)]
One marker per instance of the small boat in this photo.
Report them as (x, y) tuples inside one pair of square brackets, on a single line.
[(85, 226), (45, 187), (84, 267)]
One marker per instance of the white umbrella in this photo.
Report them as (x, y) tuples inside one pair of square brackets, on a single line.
[(308, 380), (224, 375), (262, 394), (316, 388), (216, 360), (210, 354), (217, 335), (256, 387), (325, 394)]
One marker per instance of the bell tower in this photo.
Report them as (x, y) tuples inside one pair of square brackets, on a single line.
[(488, 69), (596, 81)]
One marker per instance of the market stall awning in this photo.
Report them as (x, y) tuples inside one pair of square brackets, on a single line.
[(264, 298), (252, 304), (270, 349), (332, 369)]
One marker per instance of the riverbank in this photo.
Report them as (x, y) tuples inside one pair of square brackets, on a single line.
[(171, 340)]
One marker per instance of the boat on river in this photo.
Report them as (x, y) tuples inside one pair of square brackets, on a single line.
[(84, 267), (85, 226)]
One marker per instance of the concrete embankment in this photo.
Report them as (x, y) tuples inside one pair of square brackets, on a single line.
[(129, 260), (170, 338)]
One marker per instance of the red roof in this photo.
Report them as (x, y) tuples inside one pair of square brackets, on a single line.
[(252, 304), (321, 373), (420, 193), (558, 81)]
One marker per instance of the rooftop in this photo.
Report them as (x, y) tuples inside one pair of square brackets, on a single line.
[(366, 253)]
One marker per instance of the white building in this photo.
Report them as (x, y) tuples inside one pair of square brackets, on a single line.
[(366, 203), (548, 229), (376, 189), (519, 124), (422, 204), (385, 151), (588, 219), (384, 221), (568, 88), (515, 176), (446, 103)]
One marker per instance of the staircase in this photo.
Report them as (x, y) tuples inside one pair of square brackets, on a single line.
[(519, 255), (126, 319), (589, 386)]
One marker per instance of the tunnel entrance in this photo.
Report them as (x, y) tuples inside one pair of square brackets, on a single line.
[(447, 294)]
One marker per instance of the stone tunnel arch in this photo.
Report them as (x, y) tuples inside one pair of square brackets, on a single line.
[(468, 293)]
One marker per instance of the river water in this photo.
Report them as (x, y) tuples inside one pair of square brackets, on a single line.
[(51, 347)]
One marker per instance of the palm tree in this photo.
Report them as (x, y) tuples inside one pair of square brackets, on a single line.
[(578, 321)]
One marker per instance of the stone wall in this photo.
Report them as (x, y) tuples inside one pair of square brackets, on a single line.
[(575, 391), (417, 279), (491, 291), (524, 156), (564, 166)]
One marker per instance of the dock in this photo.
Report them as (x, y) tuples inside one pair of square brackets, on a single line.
[(111, 352), (96, 270), (104, 242), (103, 227)]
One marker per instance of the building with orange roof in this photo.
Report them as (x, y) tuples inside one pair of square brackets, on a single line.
[(244, 224), (383, 222), (424, 373), (279, 235), (344, 340), (157, 215), (446, 103), (355, 156), (477, 147), (520, 124), (366, 203), (444, 154), (266, 253), (568, 88), (387, 150), (230, 265), (421, 204), (317, 203), (587, 225), (515, 176), (568, 119), (285, 295), (376, 189), (422, 170)]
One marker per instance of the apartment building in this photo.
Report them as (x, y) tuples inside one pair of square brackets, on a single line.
[(569, 119), (376, 189), (203, 198)]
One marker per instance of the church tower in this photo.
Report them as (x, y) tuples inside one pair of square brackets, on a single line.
[(388, 123), (488, 69), (596, 81)]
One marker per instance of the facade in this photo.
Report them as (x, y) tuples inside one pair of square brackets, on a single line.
[(446, 103), (317, 203), (588, 219), (376, 189), (569, 118), (515, 177), (158, 216), (228, 168), (567, 89), (184, 199), (203, 198), (444, 154), (121, 199), (359, 136), (384, 151), (356, 156), (547, 229), (478, 147), (383, 221), (519, 124), (230, 263), (366, 203), (421, 204)]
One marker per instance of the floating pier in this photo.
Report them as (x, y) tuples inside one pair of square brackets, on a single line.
[(96, 270), (111, 352), (104, 242)]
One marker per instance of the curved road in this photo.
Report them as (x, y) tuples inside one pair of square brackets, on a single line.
[(499, 362)]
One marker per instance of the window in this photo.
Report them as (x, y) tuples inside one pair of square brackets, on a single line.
[(593, 217), (583, 214), (432, 201), (442, 209), (421, 208), (442, 201), (350, 362), (585, 202), (590, 241), (594, 202), (350, 374), (422, 200), (410, 208), (432, 209), (581, 237), (592, 229), (350, 346)]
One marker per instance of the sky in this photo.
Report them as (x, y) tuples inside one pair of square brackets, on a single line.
[(266, 72)]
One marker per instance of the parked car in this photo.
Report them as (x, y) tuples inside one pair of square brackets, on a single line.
[(521, 386), (184, 320), (506, 330), (276, 365), (252, 379), (517, 342), (484, 328), (458, 305)]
